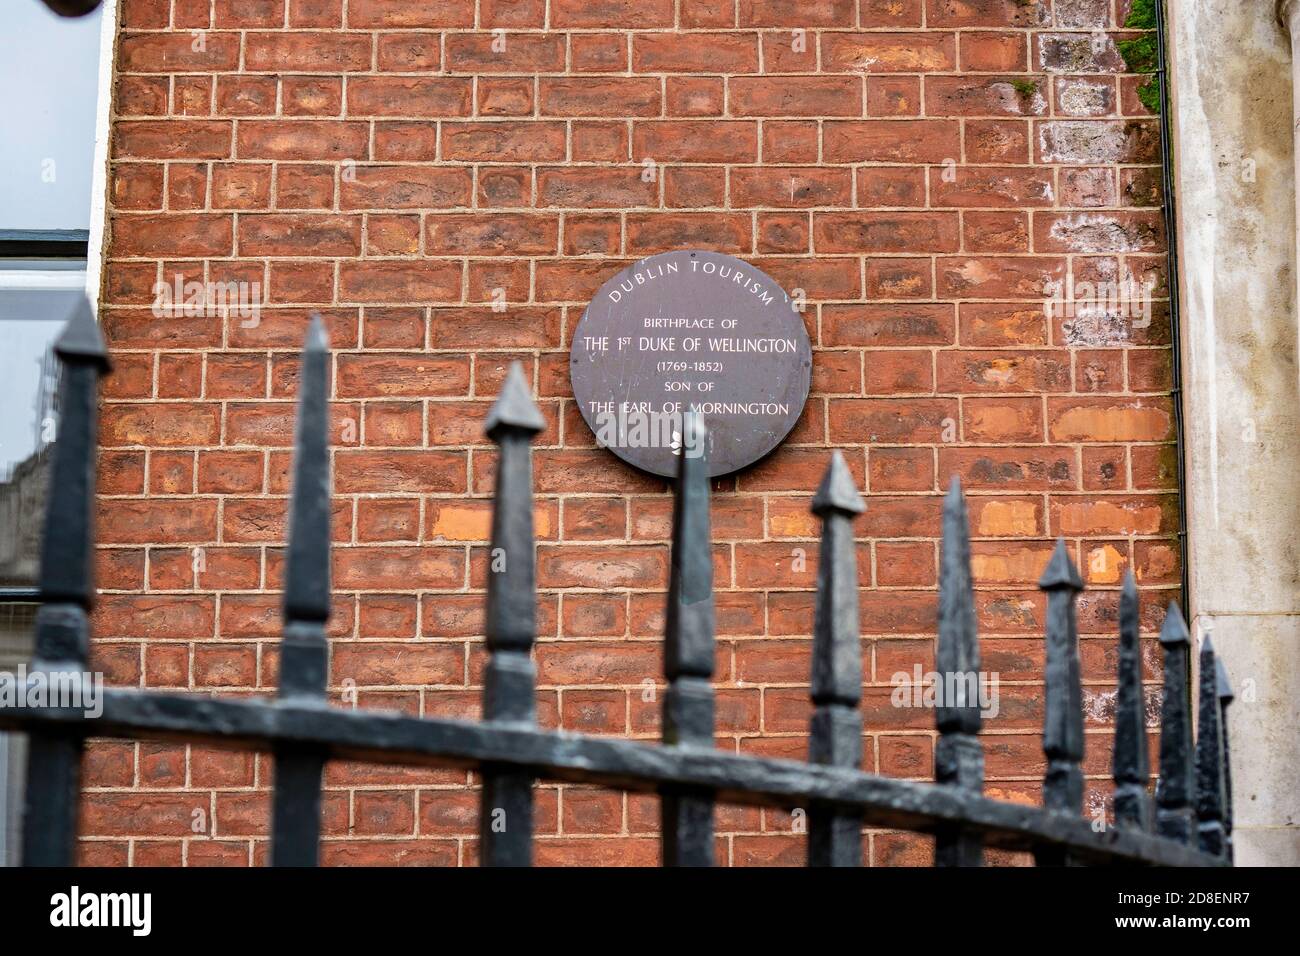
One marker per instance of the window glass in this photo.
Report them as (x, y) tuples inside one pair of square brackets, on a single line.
[(49, 72), (36, 298)]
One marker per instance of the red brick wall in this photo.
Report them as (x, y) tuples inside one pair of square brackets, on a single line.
[(923, 169)]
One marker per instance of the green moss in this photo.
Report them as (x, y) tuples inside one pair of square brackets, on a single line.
[(1141, 55), (1142, 16), (1149, 94), (1025, 87)]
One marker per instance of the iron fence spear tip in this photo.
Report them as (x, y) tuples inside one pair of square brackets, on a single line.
[(954, 520), (1129, 588), (1174, 629), (514, 407), (317, 338), (1060, 571), (837, 491), (1224, 685), (80, 339)]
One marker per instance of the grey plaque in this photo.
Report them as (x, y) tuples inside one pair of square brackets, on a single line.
[(684, 331)]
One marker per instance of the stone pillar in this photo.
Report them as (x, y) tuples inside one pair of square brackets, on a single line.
[(1235, 178)]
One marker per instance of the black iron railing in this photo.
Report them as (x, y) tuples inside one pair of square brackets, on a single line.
[(1189, 823)]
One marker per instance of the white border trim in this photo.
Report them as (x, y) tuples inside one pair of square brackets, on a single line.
[(98, 241)]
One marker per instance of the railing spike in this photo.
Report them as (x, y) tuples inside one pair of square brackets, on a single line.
[(1063, 723), (687, 815), (62, 637), (834, 833), (1211, 833), (509, 695), (1175, 788), (1226, 697), (958, 756), (1132, 766), (304, 649)]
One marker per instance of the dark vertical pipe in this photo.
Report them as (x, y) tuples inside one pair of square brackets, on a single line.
[(1175, 314)]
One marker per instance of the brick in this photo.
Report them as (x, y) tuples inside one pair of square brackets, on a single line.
[(506, 234), (694, 53), (500, 52), (398, 471), (984, 186), (505, 96), (172, 139), (782, 13), (307, 52), (993, 52), (611, 13), (885, 232), (411, 375), (1094, 232), (599, 96), (302, 139), (1002, 419), (409, 96), (698, 141), (1010, 468), (241, 186), (889, 420), (790, 187), (997, 141), (889, 52), (988, 13), (695, 96), (920, 324), (404, 187), (371, 14), (790, 141), (795, 96), (1109, 420), (598, 53), (304, 187), (408, 52), (999, 277), (1089, 142), (300, 235), (656, 232), (176, 53), (1019, 371), (595, 188), (885, 141), (312, 96), (986, 96), (195, 234), (503, 141)]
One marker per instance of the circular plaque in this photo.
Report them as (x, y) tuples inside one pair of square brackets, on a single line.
[(690, 331)]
